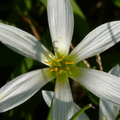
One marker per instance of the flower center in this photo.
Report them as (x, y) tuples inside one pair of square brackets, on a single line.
[(60, 65)]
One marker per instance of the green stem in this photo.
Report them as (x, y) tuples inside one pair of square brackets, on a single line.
[(81, 111)]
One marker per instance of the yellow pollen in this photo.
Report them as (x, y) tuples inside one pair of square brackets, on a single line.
[(69, 62)]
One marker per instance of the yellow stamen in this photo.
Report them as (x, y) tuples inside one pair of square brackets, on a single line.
[(69, 62), (50, 63), (59, 65), (53, 69), (56, 69), (58, 60), (68, 68)]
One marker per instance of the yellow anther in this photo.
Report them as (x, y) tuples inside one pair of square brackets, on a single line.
[(53, 69), (50, 63), (58, 60), (56, 69), (69, 62), (68, 68)]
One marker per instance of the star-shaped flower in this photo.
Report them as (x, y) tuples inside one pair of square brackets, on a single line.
[(61, 64)]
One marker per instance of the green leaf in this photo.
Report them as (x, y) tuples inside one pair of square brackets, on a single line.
[(28, 4), (81, 25), (116, 2), (44, 2)]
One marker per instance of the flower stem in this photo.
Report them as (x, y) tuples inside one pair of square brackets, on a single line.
[(81, 111)]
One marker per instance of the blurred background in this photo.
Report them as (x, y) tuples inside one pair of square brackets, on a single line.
[(31, 16)]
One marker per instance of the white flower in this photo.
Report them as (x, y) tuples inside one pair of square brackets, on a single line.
[(61, 65)]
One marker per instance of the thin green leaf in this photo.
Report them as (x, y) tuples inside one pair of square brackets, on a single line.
[(81, 25)]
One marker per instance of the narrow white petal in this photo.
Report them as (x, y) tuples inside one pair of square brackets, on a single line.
[(115, 71), (23, 43), (48, 96), (103, 85), (97, 41), (107, 109), (62, 107), (22, 88), (61, 22)]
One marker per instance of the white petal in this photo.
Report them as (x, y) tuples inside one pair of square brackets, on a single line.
[(107, 109), (22, 88), (23, 43), (97, 41), (48, 96), (103, 85), (60, 18), (115, 71), (62, 107)]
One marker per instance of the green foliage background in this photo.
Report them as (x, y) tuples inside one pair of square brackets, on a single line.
[(31, 16)]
